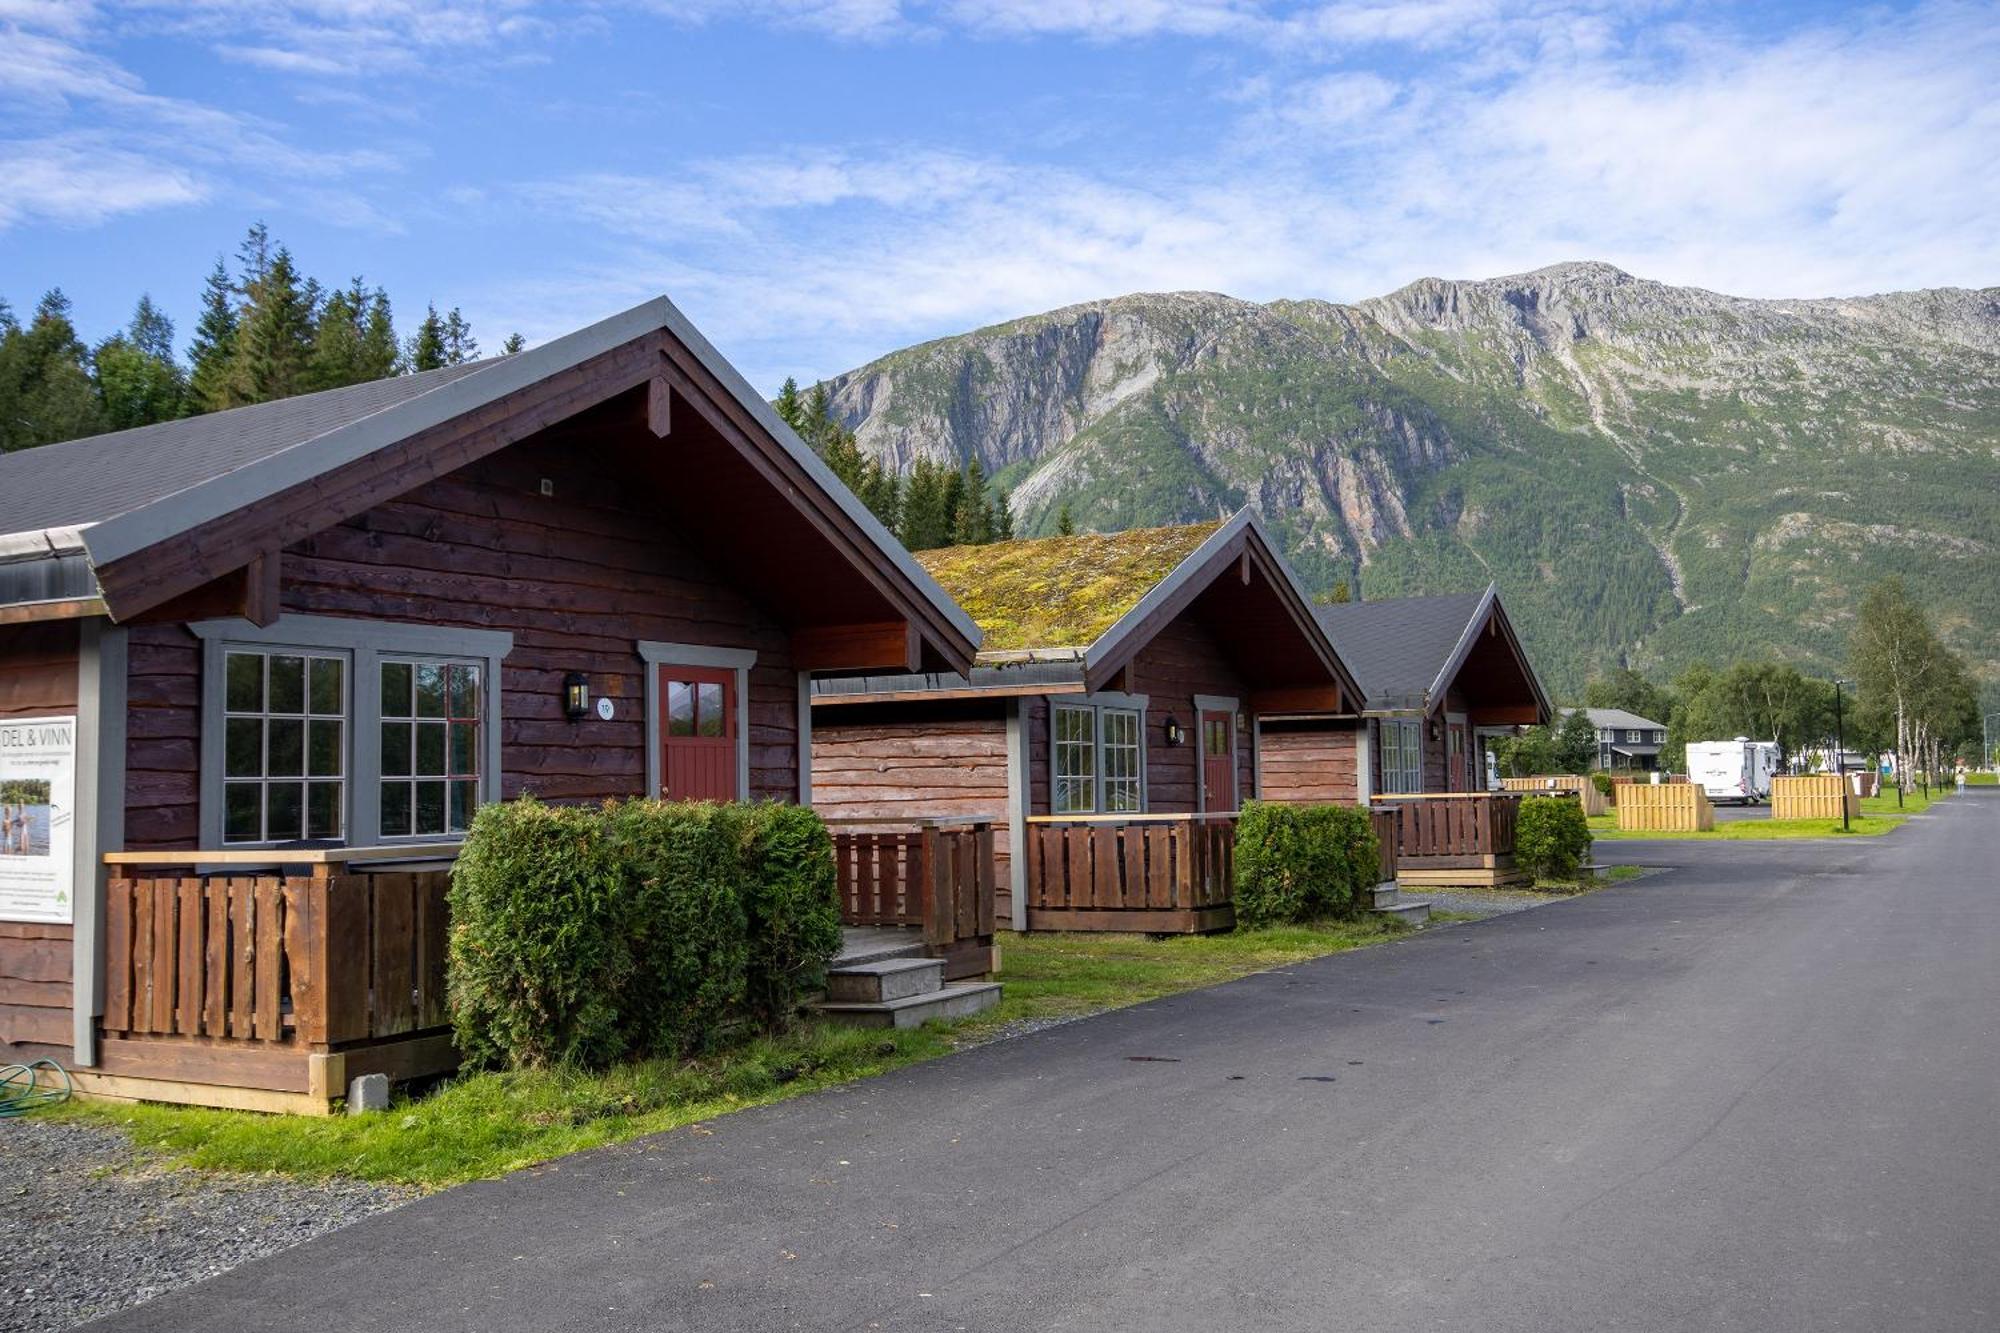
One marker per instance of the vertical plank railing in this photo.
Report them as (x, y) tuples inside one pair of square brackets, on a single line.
[(275, 959), (1179, 864), (1443, 828), (1384, 823), (936, 877)]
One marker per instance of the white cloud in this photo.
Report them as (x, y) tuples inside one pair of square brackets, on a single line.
[(74, 179)]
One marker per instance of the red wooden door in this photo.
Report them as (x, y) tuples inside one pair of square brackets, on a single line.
[(1458, 758), (697, 733), (1218, 761)]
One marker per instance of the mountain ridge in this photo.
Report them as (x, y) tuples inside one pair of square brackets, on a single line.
[(1651, 473)]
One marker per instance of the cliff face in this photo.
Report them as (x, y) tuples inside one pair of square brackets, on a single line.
[(1651, 473)]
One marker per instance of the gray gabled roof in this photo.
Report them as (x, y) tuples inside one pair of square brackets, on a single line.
[(1618, 719), (84, 482), (1399, 648), (112, 495)]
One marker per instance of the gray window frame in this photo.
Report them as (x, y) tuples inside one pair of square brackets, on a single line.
[(363, 643), (1412, 727), (1097, 704), (656, 655)]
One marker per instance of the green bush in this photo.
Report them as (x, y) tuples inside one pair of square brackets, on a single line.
[(793, 904), (1552, 838), (1303, 862), (684, 868), (582, 936), (1603, 783), (538, 951)]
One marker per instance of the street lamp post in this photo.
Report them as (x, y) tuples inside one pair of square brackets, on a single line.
[(1840, 752)]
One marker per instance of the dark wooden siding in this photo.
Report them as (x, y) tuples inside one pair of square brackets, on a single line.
[(37, 677), (1309, 762), (578, 578), (1183, 660)]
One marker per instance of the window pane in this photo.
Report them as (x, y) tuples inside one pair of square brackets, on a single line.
[(463, 797), (395, 689), (430, 748), (323, 810), (680, 708), (464, 747), (286, 754), (462, 692), (396, 809), (288, 684), (284, 818), (243, 745), (430, 807), (430, 689), (326, 692), (243, 812), (323, 752), (395, 749), (708, 712), (244, 673)]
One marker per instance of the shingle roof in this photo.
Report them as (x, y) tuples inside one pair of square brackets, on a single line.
[(1617, 718), (1059, 592), (100, 477), (1396, 648)]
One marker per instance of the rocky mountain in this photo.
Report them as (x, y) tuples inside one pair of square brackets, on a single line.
[(1652, 473)]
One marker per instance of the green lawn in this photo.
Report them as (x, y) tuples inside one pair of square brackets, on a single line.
[(487, 1124), (1879, 814)]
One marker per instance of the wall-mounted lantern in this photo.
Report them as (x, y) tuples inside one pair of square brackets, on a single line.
[(1175, 733), (576, 696)]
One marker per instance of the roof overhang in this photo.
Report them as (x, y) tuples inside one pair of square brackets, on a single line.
[(1489, 614), (940, 630)]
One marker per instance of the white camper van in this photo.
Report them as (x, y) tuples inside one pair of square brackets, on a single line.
[(1738, 771)]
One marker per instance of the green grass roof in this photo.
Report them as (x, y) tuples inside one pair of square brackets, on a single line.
[(1059, 592)]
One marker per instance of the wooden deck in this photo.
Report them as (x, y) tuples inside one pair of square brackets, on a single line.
[(234, 981), (1460, 839), (936, 877), (1159, 874)]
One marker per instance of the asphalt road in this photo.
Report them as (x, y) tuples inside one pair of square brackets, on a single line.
[(1758, 1092)]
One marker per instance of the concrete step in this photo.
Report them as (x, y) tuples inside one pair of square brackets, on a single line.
[(884, 979), (958, 999), (1409, 911), (878, 946), (1386, 894)]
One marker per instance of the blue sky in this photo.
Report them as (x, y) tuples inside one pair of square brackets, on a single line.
[(819, 181)]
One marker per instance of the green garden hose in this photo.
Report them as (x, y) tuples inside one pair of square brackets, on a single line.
[(25, 1088)]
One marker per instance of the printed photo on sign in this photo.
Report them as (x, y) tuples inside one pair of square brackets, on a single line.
[(37, 819)]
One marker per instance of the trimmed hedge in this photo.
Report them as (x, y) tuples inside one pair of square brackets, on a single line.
[(1552, 838), (1603, 783), (1299, 863), (539, 946), (583, 936)]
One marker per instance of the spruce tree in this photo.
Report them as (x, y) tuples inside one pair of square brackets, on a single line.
[(790, 407), (336, 351), (275, 337), (459, 344), (213, 350), (381, 354), (514, 345), (427, 345), (1065, 524), (1003, 517), (972, 516), (45, 389)]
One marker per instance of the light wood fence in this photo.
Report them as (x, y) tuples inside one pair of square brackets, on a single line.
[(1669, 807), (1815, 796), (1594, 801)]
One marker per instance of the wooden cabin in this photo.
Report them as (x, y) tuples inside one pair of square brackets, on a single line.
[(268, 661), (1110, 721), (1443, 678)]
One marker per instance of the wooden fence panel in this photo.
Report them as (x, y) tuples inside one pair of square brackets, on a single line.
[(1815, 796), (1594, 801), (1664, 807)]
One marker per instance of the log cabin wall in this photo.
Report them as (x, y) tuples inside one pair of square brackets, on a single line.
[(1310, 762), (1184, 660), (38, 678), (578, 577)]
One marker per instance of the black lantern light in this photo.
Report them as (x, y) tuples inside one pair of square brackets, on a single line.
[(1175, 733), (576, 696)]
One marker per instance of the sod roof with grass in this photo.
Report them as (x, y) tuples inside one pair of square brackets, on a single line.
[(1059, 592)]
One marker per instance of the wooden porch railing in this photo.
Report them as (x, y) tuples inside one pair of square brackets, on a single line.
[(932, 875), (1385, 822), (227, 969), (1161, 874), (1459, 838)]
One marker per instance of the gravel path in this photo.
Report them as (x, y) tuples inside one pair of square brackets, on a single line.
[(1484, 902), (88, 1226)]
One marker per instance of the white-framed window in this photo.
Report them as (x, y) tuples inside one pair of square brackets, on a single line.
[(1632, 736), (284, 766), (329, 730), (1097, 755), (1402, 757)]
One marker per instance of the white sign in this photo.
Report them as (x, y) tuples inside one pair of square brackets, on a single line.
[(37, 818), (604, 708)]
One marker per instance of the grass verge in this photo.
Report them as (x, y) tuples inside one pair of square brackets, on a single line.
[(487, 1124)]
